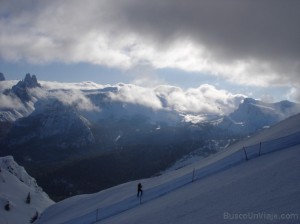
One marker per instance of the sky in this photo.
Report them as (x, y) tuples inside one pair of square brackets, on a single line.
[(241, 46)]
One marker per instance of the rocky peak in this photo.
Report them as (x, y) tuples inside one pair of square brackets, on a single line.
[(21, 88), (2, 78), (30, 81)]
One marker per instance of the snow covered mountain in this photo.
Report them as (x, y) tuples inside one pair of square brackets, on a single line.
[(55, 121), (158, 105), (253, 115), (21, 90), (20, 196), (223, 188), (71, 126), (18, 100), (130, 131)]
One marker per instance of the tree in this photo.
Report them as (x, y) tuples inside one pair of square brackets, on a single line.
[(28, 199), (7, 206), (34, 218)]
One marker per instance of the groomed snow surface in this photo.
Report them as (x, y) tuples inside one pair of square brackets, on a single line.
[(226, 188)]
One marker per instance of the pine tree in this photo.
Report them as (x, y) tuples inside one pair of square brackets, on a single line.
[(7, 206), (28, 199), (34, 218)]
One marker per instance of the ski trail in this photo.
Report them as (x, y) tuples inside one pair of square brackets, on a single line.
[(213, 165)]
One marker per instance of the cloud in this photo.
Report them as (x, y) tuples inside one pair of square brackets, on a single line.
[(48, 85), (294, 94), (10, 102), (67, 93), (75, 98), (7, 84), (136, 95), (244, 41), (205, 99)]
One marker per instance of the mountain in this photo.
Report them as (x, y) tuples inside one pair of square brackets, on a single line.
[(21, 192), (253, 115), (19, 99), (53, 120), (52, 125), (123, 109), (63, 133), (21, 89), (223, 188), (2, 78)]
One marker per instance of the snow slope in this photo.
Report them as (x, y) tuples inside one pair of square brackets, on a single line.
[(224, 184), (265, 187), (15, 184)]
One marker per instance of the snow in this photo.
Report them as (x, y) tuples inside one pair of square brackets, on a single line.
[(224, 184), (193, 119), (15, 184), (268, 184)]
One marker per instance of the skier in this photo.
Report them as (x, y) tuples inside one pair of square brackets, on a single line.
[(139, 190)]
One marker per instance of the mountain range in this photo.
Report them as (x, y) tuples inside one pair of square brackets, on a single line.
[(227, 187), (62, 134)]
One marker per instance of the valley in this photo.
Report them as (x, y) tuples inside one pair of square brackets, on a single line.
[(62, 142)]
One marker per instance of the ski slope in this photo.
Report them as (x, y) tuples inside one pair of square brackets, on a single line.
[(224, 182), (266, 185)]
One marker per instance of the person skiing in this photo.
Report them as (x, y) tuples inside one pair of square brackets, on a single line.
[(139, 190)]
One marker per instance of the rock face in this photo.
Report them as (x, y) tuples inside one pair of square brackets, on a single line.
[(20, 98), (22, 87), (2, 78), (30, 81)]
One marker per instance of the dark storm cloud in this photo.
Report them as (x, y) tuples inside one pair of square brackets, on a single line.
[(265, 33), (241, 39), (231, 28)]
